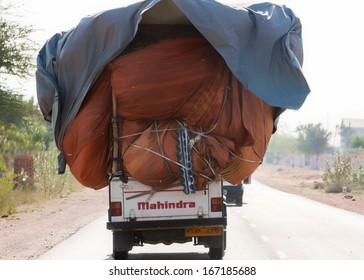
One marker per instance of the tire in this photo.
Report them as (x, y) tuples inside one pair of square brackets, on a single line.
[(224, 240), (239, 202), (122, 244), (218, 252), (120, 255)]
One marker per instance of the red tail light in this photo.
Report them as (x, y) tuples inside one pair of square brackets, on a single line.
[(216, 204), (115, 208)]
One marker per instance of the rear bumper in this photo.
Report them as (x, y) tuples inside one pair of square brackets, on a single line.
[(164, 224)]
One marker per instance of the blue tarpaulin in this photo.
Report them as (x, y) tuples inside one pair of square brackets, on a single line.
[(261, 44)]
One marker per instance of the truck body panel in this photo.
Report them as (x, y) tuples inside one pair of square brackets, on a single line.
[(142, 203), (141, 214)]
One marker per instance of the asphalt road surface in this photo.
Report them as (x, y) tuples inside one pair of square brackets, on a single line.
[(270, 225)]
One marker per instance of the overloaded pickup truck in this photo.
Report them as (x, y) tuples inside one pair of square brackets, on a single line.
[(140, 214), (178, 81)]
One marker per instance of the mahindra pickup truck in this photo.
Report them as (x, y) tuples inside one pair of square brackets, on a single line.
[(141, 214)]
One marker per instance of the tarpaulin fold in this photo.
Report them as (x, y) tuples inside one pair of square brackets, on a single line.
[(261, 44)]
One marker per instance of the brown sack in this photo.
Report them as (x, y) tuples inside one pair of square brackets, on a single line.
[(152, 158), (258, 118), (86, 143), (182, 79), (170, 80), (164, 86)]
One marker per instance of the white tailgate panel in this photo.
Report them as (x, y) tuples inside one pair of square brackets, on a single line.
[(171, 203), (142, 203)]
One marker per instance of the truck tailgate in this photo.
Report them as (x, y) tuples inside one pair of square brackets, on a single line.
[(143, 203)]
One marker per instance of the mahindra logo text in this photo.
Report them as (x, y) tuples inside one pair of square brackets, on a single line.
[(165, 205)]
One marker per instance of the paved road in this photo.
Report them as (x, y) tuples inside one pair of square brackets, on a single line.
[(270, 225)]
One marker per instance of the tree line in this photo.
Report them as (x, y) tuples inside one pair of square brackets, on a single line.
[(21, 125)]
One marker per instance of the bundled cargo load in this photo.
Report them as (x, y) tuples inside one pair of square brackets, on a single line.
[(164, 102)]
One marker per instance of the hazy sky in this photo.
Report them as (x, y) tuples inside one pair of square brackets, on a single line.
[(333, 51)]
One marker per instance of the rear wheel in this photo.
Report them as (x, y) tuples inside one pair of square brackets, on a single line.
[(217, 253), (122, 244), (120, 255), (239, 202)]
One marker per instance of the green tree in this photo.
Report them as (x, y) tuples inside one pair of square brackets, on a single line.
[(31, 134), (313, 139), (19, 124), (347, 134), (16, 47), (17, 58), (358, 142), (280, 146)]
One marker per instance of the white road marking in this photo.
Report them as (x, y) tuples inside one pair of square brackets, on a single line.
[(281, 255), (253, 225)]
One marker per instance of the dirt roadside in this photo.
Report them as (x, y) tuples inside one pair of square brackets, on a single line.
[(301, 181), (37, 228)]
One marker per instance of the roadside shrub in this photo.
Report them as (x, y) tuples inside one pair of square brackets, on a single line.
[(335, 188), (343, 173), (358, 175), (47, 181), (10, 198), (45, 185), (6, 186), (317, 185), (339, 175)]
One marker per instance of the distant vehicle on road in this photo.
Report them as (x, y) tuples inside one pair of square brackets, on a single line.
[(235, 193)]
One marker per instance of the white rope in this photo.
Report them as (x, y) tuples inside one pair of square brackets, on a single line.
[(166, 158), (200, 135)]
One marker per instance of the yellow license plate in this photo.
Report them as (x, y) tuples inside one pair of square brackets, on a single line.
[(203, 231)]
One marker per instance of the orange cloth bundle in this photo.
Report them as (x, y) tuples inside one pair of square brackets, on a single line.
[(162, 87), (152, 157), (87, 142)]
